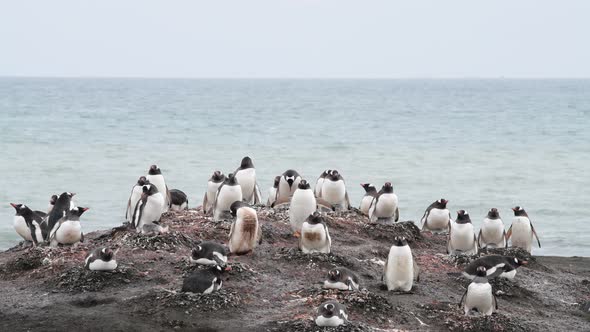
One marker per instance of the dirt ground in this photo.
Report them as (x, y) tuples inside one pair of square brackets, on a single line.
[(276, 288)]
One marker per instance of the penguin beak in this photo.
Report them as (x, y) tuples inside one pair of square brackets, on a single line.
[(13, 205), (85, 209), (524, 262)]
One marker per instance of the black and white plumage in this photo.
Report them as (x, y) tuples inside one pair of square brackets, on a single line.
[(332, 314), (272, 191), (246, 177), (149, 207), (303, 204), (334, 191), (343, 279), (178, 200), (314, 235), (134, 197), (287, 185), (320, 182), (461, 238), (68, 229), (492, 233), (385, 205), (28, 224), (228, 193), (203, 281), (400, 269), (370, 194), (156, 178), (52, 202), (60, 209), (496, 266), (521, 231), (209, 253), (101, 259), (245, 232), (212, 186), (437, 218), (479, 295)]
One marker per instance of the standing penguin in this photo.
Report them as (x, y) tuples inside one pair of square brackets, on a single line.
[(370, 194), (492, 233), (496, 266), (334, 191), (212, 185), (149, 207), (272, 191), (229, 191), (461, 238), (178, 200), (303, 203), (320, 182), (209, 253), (156, 178), (437, 218), (60, 209), (203, 281), (385, 205), (314, 235), (400, 268), (28, 224), (479, 296), (246, 177), (287, 185), (135, 197), (343, 279), (522, 230), (245, 232), (68, 230), (332, 314), (101, 259)]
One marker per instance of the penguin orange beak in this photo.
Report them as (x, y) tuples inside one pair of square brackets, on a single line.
[(85, 209), (524, 262), (13, 205)]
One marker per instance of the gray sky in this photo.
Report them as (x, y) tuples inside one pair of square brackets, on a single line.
[(295, 38)]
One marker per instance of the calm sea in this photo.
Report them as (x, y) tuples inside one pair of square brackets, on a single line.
[(479, 143)]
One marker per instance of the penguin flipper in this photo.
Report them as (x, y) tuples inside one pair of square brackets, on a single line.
[(81, 237), (475, 247), (346, 200), (449, 245), (479, 239), (168, 197), (505, 240), (231, 230), (205, 204), (33, 235), (322, 203), (372, 209), (535, 233), (259, 235), (463, 298), (416, 271), (396, 214), (509, 234), (425, 217), (495, 301), (256, 194)]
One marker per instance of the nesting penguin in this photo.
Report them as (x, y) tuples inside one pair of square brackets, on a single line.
[(229, 191), (314, 235), (149, 207), (496, 266), (334, 191), (461, 238), (303, 204), (437, 218), (178, 200), (320, 182), (68, 229), (28, 224), (246, 177), (209, 253), (492, 233), (370, 194), (135, 197), (272, 191), (60, 209), (101, 259), (156, 178), (400, 268), (212, 186), (287, 185), (343, 279), (385, 205), (521, 231), (479, 295), (245, 232), (332, 314), (203, 281)]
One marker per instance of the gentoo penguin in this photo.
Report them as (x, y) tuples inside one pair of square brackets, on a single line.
[(521, 231), (496, 266), (334, 191), (320, 182), (370, 194), (314, 235), (178, 200), (384, 205), (135, 197), (437, 218), (303, 203), (343, 279), (101, 259), (52, 202), (246, 177), (287, 185), (156, 178), (212, 185), (28, 224), (153, 229), (209, 253), (68, 230), (272, 191), (461, 238), (479, 296), (149, 207), (229, 192), (203, 281), (492, 233), (245, 232), (331, 313), (400, 268), (60, 209)]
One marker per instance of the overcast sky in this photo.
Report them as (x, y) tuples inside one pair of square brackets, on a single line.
[(295, 38)]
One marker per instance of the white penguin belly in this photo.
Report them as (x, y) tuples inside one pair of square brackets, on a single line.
[(38, 232), (158, 181), (247, 180), (314, 239), (522, 233), (479, 296), (244, 235), (386, 206), (135, 197), (334, 192), (225, 198), (332, 321), (462, 237), (335, 285), (284, 190), (152, 211), (211, 192), (69, 232), (100, 265), (20, 226), (492, 233), (400, 269), (438, 219), (365, 204), (302, 205)]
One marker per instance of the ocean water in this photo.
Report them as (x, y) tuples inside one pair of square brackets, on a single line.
[(479, 143)]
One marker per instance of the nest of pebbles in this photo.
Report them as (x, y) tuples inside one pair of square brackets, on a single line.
[(79, 279)]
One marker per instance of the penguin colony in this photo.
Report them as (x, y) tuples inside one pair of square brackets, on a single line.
[(231, 197)]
